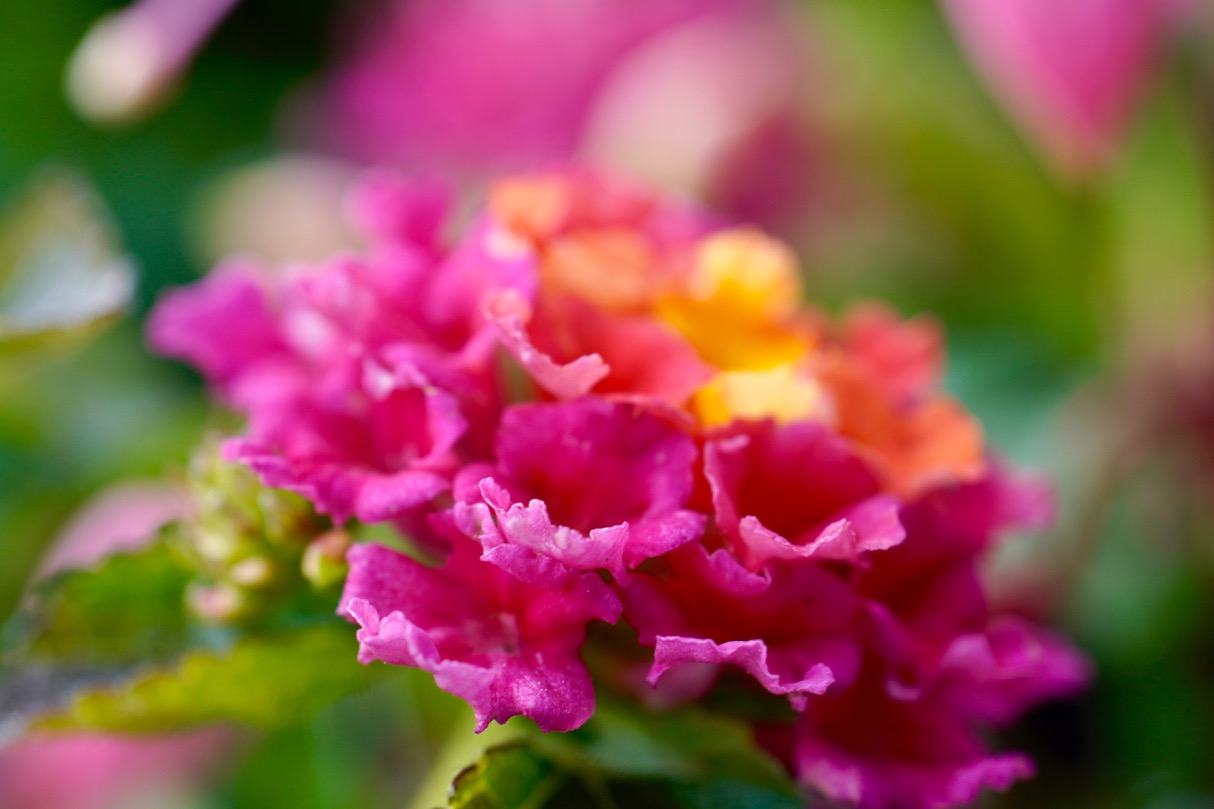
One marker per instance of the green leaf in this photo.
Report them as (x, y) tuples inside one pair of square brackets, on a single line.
[(62, 274), (128, 609), (511, 776), (114, 648), (265, 682), (688, 745), (626, 756)]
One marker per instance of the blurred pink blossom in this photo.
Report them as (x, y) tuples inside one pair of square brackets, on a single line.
[(700, 95), (121, 518), (1069, 71), (107, 772), (131, 59)]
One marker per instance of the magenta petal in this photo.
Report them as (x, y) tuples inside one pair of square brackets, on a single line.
[(658, 537), (997, 772), (558, 697), (593, 485), (510, 314), (336, 489), (603, 463), (858, 746), (223, 325), (795, 628), (842, 777), (543, 571), (505, 646), (872, 525), (394, 208), (381, 498), (877, 525), (721, 571), (749, 655), (528, 526), (422, 440), (995, 675)]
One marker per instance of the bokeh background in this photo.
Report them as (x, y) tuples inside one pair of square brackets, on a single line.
[(1078, 302)]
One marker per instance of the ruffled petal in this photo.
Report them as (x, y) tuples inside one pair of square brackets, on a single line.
[(748, 655), (797, 492), (617, 477), (795, 629), (506, 647), (510, 314)]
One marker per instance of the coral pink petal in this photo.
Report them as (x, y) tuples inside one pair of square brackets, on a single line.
[(872, 525), (796, 492), (564, 381), (905, 356)]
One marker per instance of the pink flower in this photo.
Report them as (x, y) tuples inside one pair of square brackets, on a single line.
[(507, 647), (627, 409), (470, 73), (1069, 71), (589, 484)]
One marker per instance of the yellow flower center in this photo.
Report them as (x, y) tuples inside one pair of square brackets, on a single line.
[(738, 306), (780, 393)]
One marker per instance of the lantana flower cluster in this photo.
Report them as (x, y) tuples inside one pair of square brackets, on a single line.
[(601, 406)]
